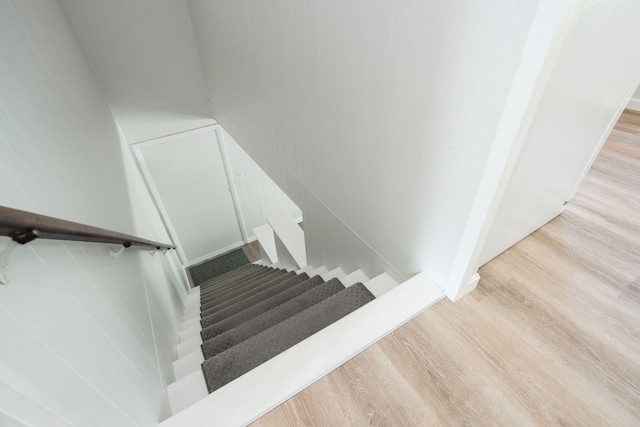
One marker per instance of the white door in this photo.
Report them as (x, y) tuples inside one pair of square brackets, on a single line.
[(187, 177)]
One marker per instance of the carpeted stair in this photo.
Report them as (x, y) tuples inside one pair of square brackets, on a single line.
[(253, 313)]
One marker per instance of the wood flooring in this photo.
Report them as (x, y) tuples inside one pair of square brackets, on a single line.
[(551, 336)]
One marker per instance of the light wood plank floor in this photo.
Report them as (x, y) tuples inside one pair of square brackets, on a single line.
[(551, 336)]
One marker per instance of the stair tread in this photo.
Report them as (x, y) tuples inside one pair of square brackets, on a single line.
[(218, 282), (291, 290), (243, 292), (229, 273), (239, 284), (213, 316), (246, 269), (215, 288), (246, 330), (230, 364)]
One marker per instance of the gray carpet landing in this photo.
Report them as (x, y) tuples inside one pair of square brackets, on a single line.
[(217, 266), (254, 313)]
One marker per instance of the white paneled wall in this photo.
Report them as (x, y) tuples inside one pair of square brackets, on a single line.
[(258, 195), (145, 58), (87, 338), (375, 117), (142, 52)]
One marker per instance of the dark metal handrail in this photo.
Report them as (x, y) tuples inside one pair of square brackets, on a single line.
[(23, 227)]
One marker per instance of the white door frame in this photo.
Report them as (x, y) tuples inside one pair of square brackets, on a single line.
[(162, 210), (222, 144)]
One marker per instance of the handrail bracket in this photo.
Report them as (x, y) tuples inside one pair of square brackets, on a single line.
[(18, 238), (116, 255)]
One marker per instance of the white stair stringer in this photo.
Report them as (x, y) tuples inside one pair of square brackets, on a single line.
[(253, 394), (191, 313), (190, 324), (191, 305), (188, 364), (189, 333), (185, 392), (189, 346)]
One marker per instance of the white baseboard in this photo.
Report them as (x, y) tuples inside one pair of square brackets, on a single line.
[(252, 395), (634, 104)]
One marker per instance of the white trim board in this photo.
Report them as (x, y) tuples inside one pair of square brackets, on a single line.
[(224, 152), (265, 387)]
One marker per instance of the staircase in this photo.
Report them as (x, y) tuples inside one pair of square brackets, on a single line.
[(256, 335), (237, 321)]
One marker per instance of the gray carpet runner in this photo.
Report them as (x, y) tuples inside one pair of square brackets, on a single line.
[(260, 308), (239, 293), (212, 316), (225, 276), (246, 330), (253, 313), (234, 283), (216, 305), (241, 358), (243, 284)]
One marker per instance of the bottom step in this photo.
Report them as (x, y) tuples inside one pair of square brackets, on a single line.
[(263, 388)]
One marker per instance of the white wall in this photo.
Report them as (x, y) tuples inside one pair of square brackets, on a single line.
[(87, 338), (258, 195), (596, 70), (153, 124), (376, 118), (143, 53), (145, 58)]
